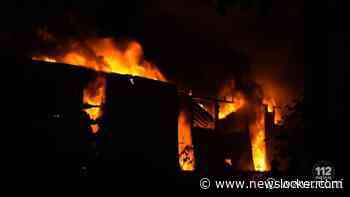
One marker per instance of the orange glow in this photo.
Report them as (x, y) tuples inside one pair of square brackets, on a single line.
[(271, 107), (186, 154), (258, 144)]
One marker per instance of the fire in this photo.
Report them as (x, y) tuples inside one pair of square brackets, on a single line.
[(103, 55), (44, 58), (186, 154), (258, 143), (272, 107), (94, 95), (256, 128), (227, 91), (228, 108)]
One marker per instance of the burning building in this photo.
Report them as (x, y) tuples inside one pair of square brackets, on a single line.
[(123, 100), (102, 55), (235, 135), (132, 127)]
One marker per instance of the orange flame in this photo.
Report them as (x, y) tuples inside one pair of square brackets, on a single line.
[(43, 58), (104, 55), (228, 92), (271, 107), (258, 144), (186, 154), (94, 94), (227, 108)]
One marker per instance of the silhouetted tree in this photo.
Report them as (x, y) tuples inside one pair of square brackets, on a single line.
[(292, 133)]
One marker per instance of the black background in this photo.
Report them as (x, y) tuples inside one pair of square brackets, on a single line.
[(326, 82), (326, 59)]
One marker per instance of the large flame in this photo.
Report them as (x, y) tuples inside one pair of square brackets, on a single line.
[(186, 153), (258, 143), (103, 55)]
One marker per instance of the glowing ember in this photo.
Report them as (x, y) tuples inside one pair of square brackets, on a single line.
[(94, 128), (258, 144), (228, 161), (186, 155)]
